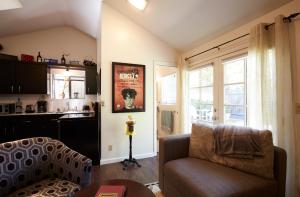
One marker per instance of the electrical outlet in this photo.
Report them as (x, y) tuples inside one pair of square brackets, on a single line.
[(109, 147), (297, 108), (102, 103)]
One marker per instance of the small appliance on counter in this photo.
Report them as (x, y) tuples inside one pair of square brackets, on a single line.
[(42, 106), (19, 107), (7, 108), (86, 108), (29, 109)]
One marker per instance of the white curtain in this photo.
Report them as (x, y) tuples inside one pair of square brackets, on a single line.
[(270, 100), (183, 92)]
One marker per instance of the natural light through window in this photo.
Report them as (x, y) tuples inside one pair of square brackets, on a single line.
[(201, 94), (235, 92), (168, 89)]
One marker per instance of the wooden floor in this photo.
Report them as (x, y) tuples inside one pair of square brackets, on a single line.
[(148, 173)]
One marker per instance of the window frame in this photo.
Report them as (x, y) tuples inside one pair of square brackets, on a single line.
[(218, 85), (53, 92), (176, 85)]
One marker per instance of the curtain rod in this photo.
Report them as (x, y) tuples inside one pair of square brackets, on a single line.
[(285, 19)]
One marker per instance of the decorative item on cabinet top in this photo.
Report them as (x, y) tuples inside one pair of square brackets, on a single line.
[(27, 58)]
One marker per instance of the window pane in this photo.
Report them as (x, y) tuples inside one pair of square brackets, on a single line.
[(234, 115), (201, 77), (201, 98), (194, 79), (61, 88), (168, 89), (206, 76), (234, 94), (234, 71), (77, 89)]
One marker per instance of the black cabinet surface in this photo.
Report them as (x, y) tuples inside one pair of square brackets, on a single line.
[(7, 76), (91, 80), (31, 78), (23, 78), (82, 136), (20, 127)]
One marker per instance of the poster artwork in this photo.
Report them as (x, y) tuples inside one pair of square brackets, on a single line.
[(128, 87)]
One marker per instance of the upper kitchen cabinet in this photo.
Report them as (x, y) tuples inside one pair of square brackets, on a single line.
[(91, 80), (31, 78), (23, 78), (7, 76)]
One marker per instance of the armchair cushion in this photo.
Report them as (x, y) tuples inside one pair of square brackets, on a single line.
[(202, 146), (48, 187), (28, 161)]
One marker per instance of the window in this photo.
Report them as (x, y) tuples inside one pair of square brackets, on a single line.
[(168, 89), (217, 92), (201, 94), (67, 85), (234, 92)]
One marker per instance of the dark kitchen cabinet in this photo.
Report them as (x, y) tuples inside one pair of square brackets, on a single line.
[(31, 78), (23, 78), (20, 127), (7, 76), (81, 135), (91, 79)]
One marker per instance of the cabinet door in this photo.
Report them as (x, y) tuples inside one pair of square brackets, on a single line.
[(91, 80), (7, 76), (31, 78)]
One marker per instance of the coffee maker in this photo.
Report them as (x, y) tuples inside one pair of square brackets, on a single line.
[(42, 106)]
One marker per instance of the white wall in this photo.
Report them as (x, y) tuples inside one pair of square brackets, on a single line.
[(124, 41), (52, 43)]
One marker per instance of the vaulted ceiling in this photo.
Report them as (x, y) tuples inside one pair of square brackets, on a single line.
[(185, 24), (182, 24), (41, 14)]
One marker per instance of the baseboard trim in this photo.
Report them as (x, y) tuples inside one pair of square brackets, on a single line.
[(119, 159)]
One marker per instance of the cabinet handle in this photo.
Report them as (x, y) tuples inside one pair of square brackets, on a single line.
[(88, 90), (19, 88), (12, 89), (5, 131), (27, 121)]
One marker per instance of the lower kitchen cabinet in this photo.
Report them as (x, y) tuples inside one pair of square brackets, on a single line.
[(82, 136), (79, 134)]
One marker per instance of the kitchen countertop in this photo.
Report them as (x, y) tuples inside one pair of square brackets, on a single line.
[(48, 113), (76, 116)]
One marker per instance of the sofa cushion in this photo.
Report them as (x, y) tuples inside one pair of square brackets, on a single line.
[(48, 187), (197, 177), (202, 146)]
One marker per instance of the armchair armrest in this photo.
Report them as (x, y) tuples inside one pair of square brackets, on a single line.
[(71, 165), (171, 148)]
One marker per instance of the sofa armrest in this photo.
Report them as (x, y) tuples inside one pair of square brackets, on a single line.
[(171, 148), (280, 160), (71, 165)]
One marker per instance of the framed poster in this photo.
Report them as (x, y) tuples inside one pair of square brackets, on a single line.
[(128, 87)]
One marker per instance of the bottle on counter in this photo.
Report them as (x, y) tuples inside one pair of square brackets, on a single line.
[(39, 57), (19, 108)]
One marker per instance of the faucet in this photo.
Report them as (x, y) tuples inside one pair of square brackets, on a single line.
[(68, 105)]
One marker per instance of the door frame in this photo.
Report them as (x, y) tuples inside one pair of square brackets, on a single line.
[(157, 63)]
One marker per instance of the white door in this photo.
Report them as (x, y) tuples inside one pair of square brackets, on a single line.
[(167, 102), (217, 91)]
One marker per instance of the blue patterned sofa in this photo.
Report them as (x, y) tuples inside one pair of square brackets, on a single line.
[(41, 167)]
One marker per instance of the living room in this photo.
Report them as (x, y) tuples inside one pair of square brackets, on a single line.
[(89, 48)]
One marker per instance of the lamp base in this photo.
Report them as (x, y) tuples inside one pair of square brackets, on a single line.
[(130, 162)]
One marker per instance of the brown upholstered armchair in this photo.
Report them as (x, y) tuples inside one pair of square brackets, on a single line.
[(182, 176), (43, 167)]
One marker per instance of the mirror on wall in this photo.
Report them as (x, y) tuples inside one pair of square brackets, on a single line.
[(67, 84)]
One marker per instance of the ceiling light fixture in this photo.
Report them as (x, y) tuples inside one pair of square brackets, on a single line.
[(10, 4), (139, 4)]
